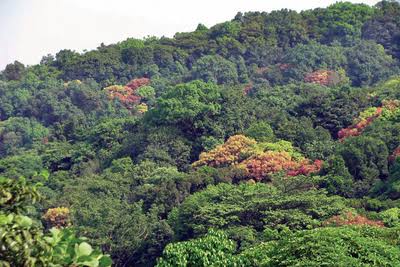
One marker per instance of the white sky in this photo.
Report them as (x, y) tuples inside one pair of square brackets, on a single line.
[(30, 29)]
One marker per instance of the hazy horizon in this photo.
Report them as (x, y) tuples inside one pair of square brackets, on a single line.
[(34, 28)]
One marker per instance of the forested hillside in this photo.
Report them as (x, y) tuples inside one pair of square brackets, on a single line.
[(272, 139)]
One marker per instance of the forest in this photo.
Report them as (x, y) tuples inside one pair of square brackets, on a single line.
[(272, 139)]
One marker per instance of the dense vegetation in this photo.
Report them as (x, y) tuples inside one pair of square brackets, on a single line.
[(272, 139)]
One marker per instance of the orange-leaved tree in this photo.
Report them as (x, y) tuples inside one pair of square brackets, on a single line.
[(259, 160)]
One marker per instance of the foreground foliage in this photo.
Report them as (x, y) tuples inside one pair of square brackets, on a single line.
[(24, 242), (331, 246)]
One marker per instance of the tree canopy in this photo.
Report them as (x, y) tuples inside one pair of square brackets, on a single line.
[(272, 139)]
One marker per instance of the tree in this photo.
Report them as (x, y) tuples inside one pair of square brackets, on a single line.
[(286, 28), (213, 249), (185, 103), (257, 206), (166, 146), (343, 246), (258, 160), (27, 164), (19, 132), (368, 63), (340, 22), (366, 159), (306, 58), (215, 69), (103, 207), (14, 71), (227, 154), (261, 132), (384, 28)]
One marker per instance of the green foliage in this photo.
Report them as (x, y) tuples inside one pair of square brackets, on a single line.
[(368, 63), (391, 187), (209, 142), (104, 208), (166, 146), (14, 71), (343, 21), (257, 206), (366, 159), (285, 28), (261, 132), (27, 164), (305, 58), (343, 246), (25, 244), (15, 194), (215, 69), (391, 217), (16, 133), (126, 173), (215, 249), (185, 102), (147, 93), (384, 27)]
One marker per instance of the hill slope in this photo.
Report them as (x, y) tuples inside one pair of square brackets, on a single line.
[(268, 140)]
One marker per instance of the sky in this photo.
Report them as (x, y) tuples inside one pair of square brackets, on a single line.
[(30, 29)]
